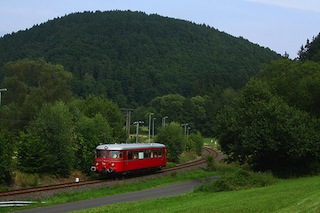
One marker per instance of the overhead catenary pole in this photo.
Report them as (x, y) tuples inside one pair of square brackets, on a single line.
[(128, 118), (185, 128), (164, 121), (153, 127), (137, 129), (2, 90), (149, 129)]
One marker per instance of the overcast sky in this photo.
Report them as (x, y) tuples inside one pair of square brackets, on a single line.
[(281, 25)]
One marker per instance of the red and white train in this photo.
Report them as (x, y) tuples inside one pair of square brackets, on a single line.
[(123, 158)]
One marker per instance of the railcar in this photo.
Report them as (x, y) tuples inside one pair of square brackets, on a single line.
[(124, 158)]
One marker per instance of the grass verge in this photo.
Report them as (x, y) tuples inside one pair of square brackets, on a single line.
[(295, 195)]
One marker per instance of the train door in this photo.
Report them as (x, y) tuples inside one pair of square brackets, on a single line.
[(127, 158)]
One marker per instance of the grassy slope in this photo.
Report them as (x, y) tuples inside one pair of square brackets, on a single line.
[(296, 195)]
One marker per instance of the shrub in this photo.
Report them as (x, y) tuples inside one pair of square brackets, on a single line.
[(210, 162), (241, 179)]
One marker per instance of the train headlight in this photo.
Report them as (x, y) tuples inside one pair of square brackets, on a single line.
[(97, 164), (112, 164)]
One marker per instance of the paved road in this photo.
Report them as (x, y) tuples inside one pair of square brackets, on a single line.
[(163, 191)]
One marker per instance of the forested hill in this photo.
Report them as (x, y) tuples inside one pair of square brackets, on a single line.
[(133, 57)]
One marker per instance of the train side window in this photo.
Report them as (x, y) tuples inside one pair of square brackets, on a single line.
[(136, 155), (159, 153), (151, 154), (146, 154), (129, 155), (141, 154), (120, 154)]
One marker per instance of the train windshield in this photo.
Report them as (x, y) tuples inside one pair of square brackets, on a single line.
[(99, 153)]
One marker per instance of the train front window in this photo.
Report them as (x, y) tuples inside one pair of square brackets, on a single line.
[(99, 153)]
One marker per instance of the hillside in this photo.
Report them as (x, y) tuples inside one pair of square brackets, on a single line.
[(133, 57)]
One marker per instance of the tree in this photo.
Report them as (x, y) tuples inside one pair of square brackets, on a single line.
[(305, 76), (30, 84), (174, 139), (264, 131), (311, 50), (94, 105), (47, 148), (6, 154), (90, 132), (33, 154), (169, 105), (197, 140)]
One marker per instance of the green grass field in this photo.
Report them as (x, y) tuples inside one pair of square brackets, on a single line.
[(285, 196)]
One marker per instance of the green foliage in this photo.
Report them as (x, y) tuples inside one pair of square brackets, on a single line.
[(186, 157), (90, 132), (199, 111), (30, 84), (32, 154), (239, 180), (195, 143), (48, 148), (311, 50), (169, 105), (72, 130), (94, 105), (172, 136), (263, 130), (6, 152), (305, 77), (210, 162)]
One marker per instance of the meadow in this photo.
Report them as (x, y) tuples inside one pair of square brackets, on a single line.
[(285, 196)]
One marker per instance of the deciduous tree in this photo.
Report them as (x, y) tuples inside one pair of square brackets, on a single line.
[(174, 139), (48, 145)]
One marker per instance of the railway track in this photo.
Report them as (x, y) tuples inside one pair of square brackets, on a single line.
[(47, 188), (41, 189)]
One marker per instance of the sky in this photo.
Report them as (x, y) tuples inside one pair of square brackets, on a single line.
[(281, 25)]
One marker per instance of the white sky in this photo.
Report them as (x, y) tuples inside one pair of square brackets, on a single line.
[(281, 25)]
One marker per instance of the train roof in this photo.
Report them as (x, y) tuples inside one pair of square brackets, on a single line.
[(129, 146)]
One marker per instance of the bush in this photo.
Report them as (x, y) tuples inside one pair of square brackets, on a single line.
[(210, 162), (187, 156), (241, 179), (6, 153)]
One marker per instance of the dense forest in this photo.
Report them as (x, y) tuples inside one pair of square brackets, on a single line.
[(132, 57)]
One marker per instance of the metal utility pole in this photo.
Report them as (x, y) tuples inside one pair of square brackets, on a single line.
[(137, 130), (164, 121), (153, 127), (150, 114), (128, 118), (2, 90), (185, 128)]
